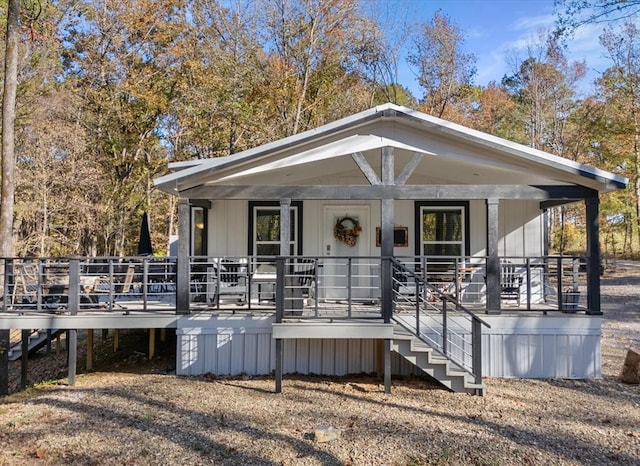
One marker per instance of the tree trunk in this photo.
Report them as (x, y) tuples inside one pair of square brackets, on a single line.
[(8, 128)]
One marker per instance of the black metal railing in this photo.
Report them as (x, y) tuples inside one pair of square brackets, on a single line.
[(438, 319), (312, 286)]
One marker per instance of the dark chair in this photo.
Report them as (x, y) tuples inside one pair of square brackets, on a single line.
[(305, 272), (510, 282)]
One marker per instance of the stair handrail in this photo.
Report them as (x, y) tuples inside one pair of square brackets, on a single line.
[(476, 322)]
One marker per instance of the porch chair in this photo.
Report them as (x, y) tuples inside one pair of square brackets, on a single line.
[(510, 282), (227, 278), (26, 283), (305, 271)]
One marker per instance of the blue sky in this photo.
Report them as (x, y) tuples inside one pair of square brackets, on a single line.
[(496, 30)]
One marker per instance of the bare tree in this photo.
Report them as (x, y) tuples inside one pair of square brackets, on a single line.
[(444, 71), (575, 13)]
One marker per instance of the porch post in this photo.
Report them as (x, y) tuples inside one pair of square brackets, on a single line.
[(285, 241), (285, 226), (593, 253), (74, 305), (182, 266), (386, 250), (493, 260), (386, 235)]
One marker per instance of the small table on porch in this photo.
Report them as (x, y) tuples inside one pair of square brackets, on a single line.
[(265, 274)]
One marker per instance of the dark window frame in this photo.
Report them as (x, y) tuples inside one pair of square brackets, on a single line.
[(418, 222), (276, 204)]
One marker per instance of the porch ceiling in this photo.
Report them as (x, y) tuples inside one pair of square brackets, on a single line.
[(335, 168)]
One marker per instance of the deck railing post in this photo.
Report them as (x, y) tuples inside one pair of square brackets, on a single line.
[(559, 280), (349, 284), (280, 304), (528, 270), (387, 290), (8, 284), (445, 330), (39, 288), (145, 282)]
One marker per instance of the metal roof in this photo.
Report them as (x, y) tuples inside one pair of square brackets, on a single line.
[(349, 135)]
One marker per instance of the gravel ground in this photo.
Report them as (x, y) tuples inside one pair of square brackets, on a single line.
[(124, 416)]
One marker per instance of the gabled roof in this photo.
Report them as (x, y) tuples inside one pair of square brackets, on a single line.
[(456, 151)]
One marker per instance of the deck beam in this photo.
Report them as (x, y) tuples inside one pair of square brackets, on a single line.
[(391, 191), (65, 322)]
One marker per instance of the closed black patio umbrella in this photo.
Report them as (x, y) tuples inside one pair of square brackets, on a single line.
[(144, 243)]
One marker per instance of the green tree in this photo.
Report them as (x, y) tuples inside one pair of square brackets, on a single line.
[(619, 89)]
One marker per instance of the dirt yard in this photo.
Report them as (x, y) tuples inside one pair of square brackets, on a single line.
[(132, 411)]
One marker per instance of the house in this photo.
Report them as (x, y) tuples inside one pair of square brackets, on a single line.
[(453, 206), (389, 241)]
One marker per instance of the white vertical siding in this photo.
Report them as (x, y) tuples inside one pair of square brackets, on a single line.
[(228, 223), (528, 347), (478, 227), (520, 227)]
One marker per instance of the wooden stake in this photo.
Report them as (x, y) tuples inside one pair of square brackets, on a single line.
[(116, 340), (152, 343)]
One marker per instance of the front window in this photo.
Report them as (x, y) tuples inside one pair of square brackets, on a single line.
[(443, 231), (265, 229)]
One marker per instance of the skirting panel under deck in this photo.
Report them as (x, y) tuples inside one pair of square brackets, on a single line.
[(540, 347), (514, 346)]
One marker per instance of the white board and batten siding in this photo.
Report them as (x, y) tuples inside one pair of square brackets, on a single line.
[(553, 346), (563, 346), (521, 232)]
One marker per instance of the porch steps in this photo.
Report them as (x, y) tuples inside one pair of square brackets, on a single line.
[(37, 340), (434, 364)]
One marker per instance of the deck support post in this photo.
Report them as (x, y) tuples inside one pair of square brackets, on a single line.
[(152, 343), (89, 349), (72, 335), (5, 345), (279, 357), (387, 366), (182, 266), (24, 360), (593, 253), (493, 260)]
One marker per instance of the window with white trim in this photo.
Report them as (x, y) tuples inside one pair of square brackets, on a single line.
[(265, 230)]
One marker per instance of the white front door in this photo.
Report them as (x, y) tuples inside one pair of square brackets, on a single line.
[(335, 273)]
